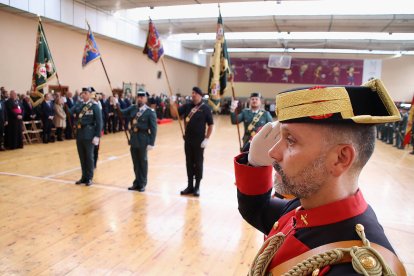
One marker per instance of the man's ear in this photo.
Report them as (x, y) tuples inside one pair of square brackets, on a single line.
[(343, 157)]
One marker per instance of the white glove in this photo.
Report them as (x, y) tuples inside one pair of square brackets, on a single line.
[(95, 141), (204, 143), (173, 98), (233, 106), (261, 143), (149, 147)]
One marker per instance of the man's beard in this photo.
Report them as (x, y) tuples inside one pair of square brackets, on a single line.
[(305, 183), (140, 104)]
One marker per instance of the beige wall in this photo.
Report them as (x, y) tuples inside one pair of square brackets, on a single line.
[(397, 75), (123, 63), (126, 63)]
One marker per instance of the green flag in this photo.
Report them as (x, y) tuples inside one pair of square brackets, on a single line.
[(219, 68), (43, 68)]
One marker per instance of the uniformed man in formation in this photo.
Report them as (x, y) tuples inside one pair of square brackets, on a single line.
[(197, 115), (253, 118), (89, 127), (143, 132)]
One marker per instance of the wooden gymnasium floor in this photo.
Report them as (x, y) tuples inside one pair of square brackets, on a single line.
[(49, 226)]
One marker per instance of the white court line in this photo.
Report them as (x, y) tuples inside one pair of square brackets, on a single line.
[(110, 158), (95, 185)]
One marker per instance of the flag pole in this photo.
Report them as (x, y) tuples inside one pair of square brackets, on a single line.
[(170, 90), (236, 111), (57, 76), (110, 86)]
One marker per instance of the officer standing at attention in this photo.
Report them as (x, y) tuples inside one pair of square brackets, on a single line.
[(89, 127), (143, 132), (196, 116), (254, 117)]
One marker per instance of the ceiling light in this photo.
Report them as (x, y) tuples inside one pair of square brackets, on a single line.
[(304, 50)]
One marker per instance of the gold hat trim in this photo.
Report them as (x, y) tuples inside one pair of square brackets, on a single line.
[(327, 100), (315, 102), (306, 96)]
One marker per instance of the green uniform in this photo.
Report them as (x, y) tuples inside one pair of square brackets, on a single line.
[(143, 132), (246, 116), (89, 125)]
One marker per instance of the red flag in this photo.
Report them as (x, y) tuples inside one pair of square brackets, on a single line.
[(153, 47)]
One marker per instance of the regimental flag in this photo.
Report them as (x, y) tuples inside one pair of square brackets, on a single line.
[(43, 68), (153, 47), (91, 51), (408, 130), (219, 69)]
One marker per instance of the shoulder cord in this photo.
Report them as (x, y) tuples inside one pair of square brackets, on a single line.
[(306, 267)]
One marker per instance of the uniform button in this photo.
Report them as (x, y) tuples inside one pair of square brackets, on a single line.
[(275, 225), (368, 262)]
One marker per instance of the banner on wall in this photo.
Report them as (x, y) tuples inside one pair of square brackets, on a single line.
[(302, 71)]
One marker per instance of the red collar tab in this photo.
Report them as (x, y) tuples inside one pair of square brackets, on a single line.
[(331, 213)]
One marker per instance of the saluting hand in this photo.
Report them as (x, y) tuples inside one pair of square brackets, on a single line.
[(261, 143)]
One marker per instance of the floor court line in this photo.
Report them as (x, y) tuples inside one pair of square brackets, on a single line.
[(109, 187)]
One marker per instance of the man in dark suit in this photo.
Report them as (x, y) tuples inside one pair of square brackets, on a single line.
[(70, 102), (3, 122), (14, 130), (48, 113), (89, 127), (143, 133)]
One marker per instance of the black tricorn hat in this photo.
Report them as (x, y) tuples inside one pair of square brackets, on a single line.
[(86, 89), (366, 104), (255, 94)]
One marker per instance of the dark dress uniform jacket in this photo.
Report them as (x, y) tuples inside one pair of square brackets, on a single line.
[(90, 123), (144, 129), (304, 229)]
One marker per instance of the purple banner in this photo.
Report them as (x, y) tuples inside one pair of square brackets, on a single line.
[(302, 71)]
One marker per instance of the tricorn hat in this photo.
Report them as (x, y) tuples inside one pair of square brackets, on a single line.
[(255, 94), (86, 89), (366, 104)]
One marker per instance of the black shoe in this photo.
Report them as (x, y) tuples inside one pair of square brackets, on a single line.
[(133, 188), (88, 182), (187, 191), (196, 193), (80, 181), (141, 189), (412, 152)]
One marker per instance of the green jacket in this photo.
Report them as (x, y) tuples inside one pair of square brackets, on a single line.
[(143, 126), (246, 116), (90, 125)]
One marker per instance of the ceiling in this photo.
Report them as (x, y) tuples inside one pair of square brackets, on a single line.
[(378, 23)]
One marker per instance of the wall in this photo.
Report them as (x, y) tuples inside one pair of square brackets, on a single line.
[(124, 63), (397, 75)]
